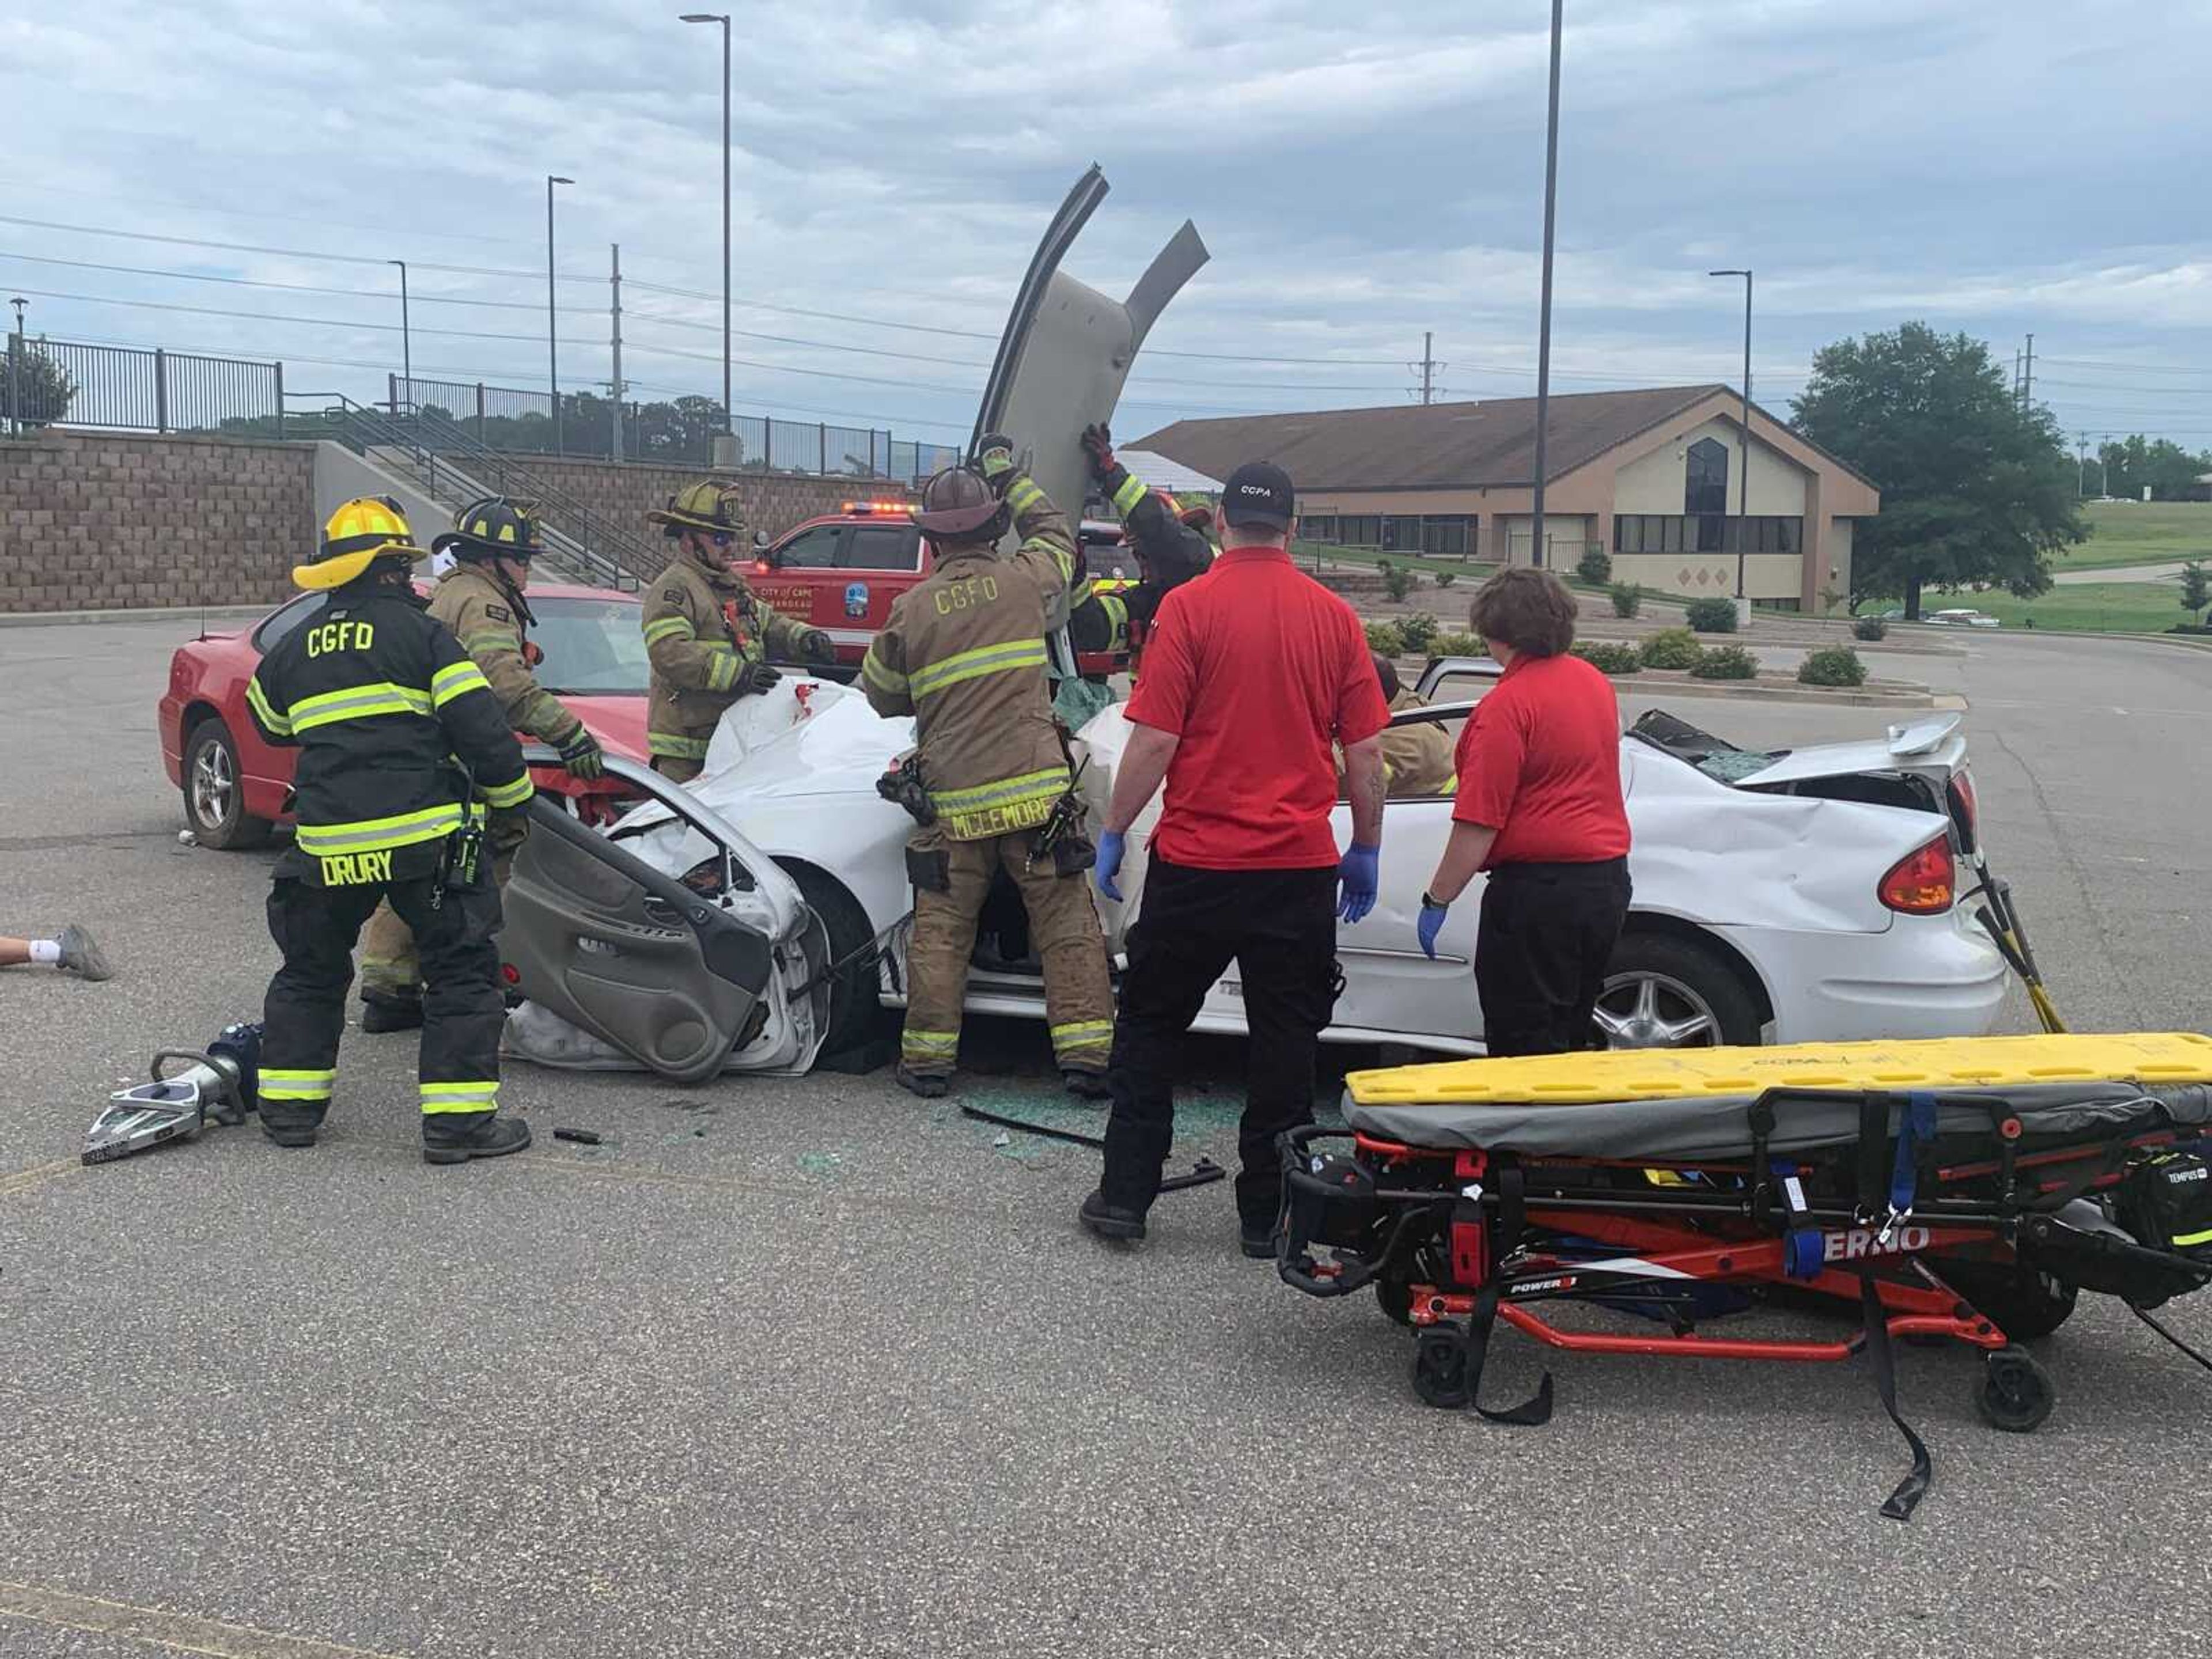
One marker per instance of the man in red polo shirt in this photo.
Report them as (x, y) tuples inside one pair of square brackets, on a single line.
[(1251, 673), (1539, 807)]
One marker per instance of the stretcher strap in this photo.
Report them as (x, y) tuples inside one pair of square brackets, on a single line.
[(1914, 1486), (1532, 1412), (2170, 1336), (1916, 1128)]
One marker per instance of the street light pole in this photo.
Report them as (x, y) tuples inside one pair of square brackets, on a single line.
[(552, 315), (406, 338), (729, 416), (15, 368), (1544, 314), (1743, 490)]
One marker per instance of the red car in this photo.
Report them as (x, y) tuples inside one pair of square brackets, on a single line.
[(234, 785), (841, 572)]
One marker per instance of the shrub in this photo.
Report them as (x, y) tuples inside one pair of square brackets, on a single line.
[(1416, 630), (1727, 662), (1446, 578), (1594, 567), (1627, 598), (1384, 637), (1456, 644), (1609, 656), (1671, 648), (1836, 665), (1397, 581), (1869, 628), (1711, 616)]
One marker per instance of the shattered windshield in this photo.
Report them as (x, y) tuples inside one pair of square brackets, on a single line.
[(1715, 757)]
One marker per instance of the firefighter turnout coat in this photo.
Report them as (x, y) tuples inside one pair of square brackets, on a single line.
[(492, 626), (963, 653), (378, 698), (706, 632)]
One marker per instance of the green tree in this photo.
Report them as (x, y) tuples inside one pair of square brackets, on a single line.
[(35, 390), (1974, 489), (2164, 466), (2196, 588)]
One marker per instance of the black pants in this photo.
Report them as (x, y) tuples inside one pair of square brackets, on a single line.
[(1548, 932), (463, 1011), (1280, 928)]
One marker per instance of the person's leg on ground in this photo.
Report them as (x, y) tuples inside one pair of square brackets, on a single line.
[(1286, 959), (391, 982), (1599, 907), (303, 1015), (1527, 968), (1176, 951), (463, 1015), (1079, 992), (72, 950), (950, 881)]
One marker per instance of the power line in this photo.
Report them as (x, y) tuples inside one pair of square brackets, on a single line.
[(294, 287), (265, 317), (280, 253)]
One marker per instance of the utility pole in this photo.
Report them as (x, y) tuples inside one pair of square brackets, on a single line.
[(552, 316), (729, 414), (2015, 377), (1743, 486), (616, 315), (16, 423), (1544, 308), (406, 337), (2027, 378), (2081, 464), (1428, 367)]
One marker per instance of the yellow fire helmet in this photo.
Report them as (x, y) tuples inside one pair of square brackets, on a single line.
[(710, 506), (363, 530)]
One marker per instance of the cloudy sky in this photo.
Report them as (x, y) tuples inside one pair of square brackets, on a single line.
[(1361, 173)]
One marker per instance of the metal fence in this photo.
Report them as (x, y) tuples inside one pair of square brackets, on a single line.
[(681, 431), (120, 388)]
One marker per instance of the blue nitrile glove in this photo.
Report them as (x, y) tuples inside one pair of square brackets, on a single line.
[(1360, 873), (1431, 924), (1108, 865)]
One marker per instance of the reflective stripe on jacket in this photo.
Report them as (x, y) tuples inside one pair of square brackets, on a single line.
[(963, 653), (705, 633), (483, 616)]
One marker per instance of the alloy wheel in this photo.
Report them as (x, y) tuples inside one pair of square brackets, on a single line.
[(1646, 1010)]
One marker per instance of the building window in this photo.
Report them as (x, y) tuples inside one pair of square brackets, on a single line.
[(1704, 533), (1317, 530), (1704, 480), (1403, 532), (1448, 538), (1359, 530)]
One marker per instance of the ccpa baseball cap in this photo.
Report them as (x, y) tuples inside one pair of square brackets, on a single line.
[(1259, 493)]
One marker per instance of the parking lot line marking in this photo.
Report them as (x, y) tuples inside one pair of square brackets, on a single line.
[(21, 1181), (178, 1633)]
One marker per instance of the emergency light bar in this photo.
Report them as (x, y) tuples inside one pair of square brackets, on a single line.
[(865, 507)]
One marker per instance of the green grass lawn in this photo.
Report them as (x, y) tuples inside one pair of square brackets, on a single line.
[(2141, 532), (2103, 607)]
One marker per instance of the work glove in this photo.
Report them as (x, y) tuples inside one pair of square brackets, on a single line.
[(582, 757), (1431, 924), (1108, 865), (995, 459), (1358, 874), (1098, 449), (761, 676), (815, 646)]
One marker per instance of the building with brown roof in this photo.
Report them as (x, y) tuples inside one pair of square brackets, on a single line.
[(1654, 477)]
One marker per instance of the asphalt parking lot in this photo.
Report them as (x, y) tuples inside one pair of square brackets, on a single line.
[(811, 1368)]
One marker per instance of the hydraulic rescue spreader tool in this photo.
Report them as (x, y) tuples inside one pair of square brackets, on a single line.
[(222, 1083)]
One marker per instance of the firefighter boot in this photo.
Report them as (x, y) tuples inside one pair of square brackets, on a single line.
[(389, 1010), (456, 1137)]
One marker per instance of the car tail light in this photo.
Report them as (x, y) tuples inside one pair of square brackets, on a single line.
[(1923, 883), (1965, 811)]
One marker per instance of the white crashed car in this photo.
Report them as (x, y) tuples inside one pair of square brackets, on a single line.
[(1813, 895)]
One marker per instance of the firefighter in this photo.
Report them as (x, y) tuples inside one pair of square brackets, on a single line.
[(963, 653), (710, 640), (1170, 542), (380, 700), (1417, 755), (479, 599)]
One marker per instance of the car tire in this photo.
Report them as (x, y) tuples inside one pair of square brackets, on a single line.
[(214, 791), (857, 1015), (1664, 992)]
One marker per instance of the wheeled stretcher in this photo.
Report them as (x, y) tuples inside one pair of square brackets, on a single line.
[(1968, 1189)]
